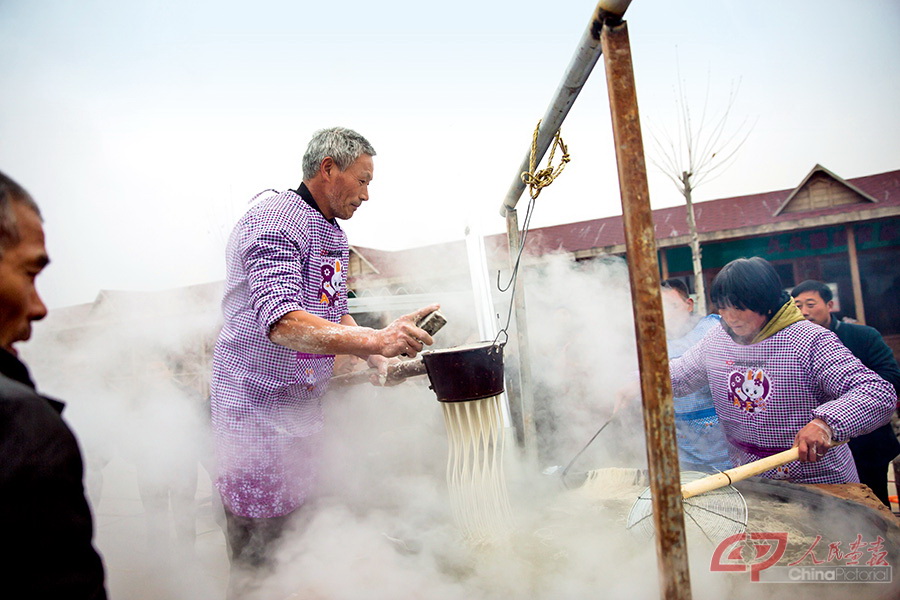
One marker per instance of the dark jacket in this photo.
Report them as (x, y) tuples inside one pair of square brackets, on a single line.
[(45, 520), (880, 446)]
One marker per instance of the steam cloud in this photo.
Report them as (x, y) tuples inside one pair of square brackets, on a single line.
[(379, 525)]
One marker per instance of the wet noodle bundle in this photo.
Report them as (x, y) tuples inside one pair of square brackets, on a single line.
[(475, 478)]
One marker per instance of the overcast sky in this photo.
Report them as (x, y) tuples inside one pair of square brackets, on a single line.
[(143, 128)]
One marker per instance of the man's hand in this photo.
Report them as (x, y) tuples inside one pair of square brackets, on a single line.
[(381, 364), (403, 337), (813, 441)]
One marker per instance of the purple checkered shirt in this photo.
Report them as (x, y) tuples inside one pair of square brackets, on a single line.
[(765, 393), (282, 256)]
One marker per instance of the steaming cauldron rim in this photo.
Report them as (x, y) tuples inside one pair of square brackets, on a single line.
[(468, 372)]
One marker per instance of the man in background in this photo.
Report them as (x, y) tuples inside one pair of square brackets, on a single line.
[(286, 317), (873, 451), (701, 442), (45, 520)]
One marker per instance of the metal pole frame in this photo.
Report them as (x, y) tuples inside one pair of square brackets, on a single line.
[(525, 426), (607, 34), (586, 56)]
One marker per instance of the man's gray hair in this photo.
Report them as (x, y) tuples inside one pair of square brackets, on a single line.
[(10, 192), (343, 145)]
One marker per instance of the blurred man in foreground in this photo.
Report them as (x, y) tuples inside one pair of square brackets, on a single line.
[(45, 519), (873, 451)]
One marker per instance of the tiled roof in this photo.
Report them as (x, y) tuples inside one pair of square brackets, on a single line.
[(740, 212)]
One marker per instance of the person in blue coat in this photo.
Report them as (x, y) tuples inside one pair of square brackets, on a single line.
[(701, 442)]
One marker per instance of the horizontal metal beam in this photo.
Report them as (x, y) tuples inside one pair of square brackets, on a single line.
[(577, 73)]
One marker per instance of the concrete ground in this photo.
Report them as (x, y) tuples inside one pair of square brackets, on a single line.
[(157, 566)]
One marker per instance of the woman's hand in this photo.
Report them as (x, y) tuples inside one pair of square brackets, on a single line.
[(813, 441)]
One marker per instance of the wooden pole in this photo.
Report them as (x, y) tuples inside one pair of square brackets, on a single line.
[(656, 385), (525, 427), (854, 275)]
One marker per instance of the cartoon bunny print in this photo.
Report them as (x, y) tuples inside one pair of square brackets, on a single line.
[(749, 389)]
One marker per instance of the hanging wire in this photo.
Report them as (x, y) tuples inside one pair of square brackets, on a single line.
[(515, 271), (536, 181)]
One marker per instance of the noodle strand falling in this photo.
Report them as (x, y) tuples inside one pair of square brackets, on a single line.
[(475, 478)]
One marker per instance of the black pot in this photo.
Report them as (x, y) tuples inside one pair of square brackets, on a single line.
[(465, 372)]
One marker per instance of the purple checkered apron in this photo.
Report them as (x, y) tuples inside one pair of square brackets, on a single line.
[(266, 412)]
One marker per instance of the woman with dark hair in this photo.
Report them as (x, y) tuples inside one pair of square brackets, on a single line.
[(779, 381)]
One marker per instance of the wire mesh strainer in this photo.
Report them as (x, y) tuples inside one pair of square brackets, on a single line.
[(710, 502), (716, 514)]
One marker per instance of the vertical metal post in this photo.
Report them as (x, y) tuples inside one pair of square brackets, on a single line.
[(656, 387), (854, 274), (525, 427)]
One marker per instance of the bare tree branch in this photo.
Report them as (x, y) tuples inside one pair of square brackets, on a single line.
[(698, 152)]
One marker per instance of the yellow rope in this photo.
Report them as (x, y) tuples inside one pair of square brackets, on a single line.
[(538, 180)]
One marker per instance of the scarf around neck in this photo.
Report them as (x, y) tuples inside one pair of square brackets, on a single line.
[(788, 314)]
